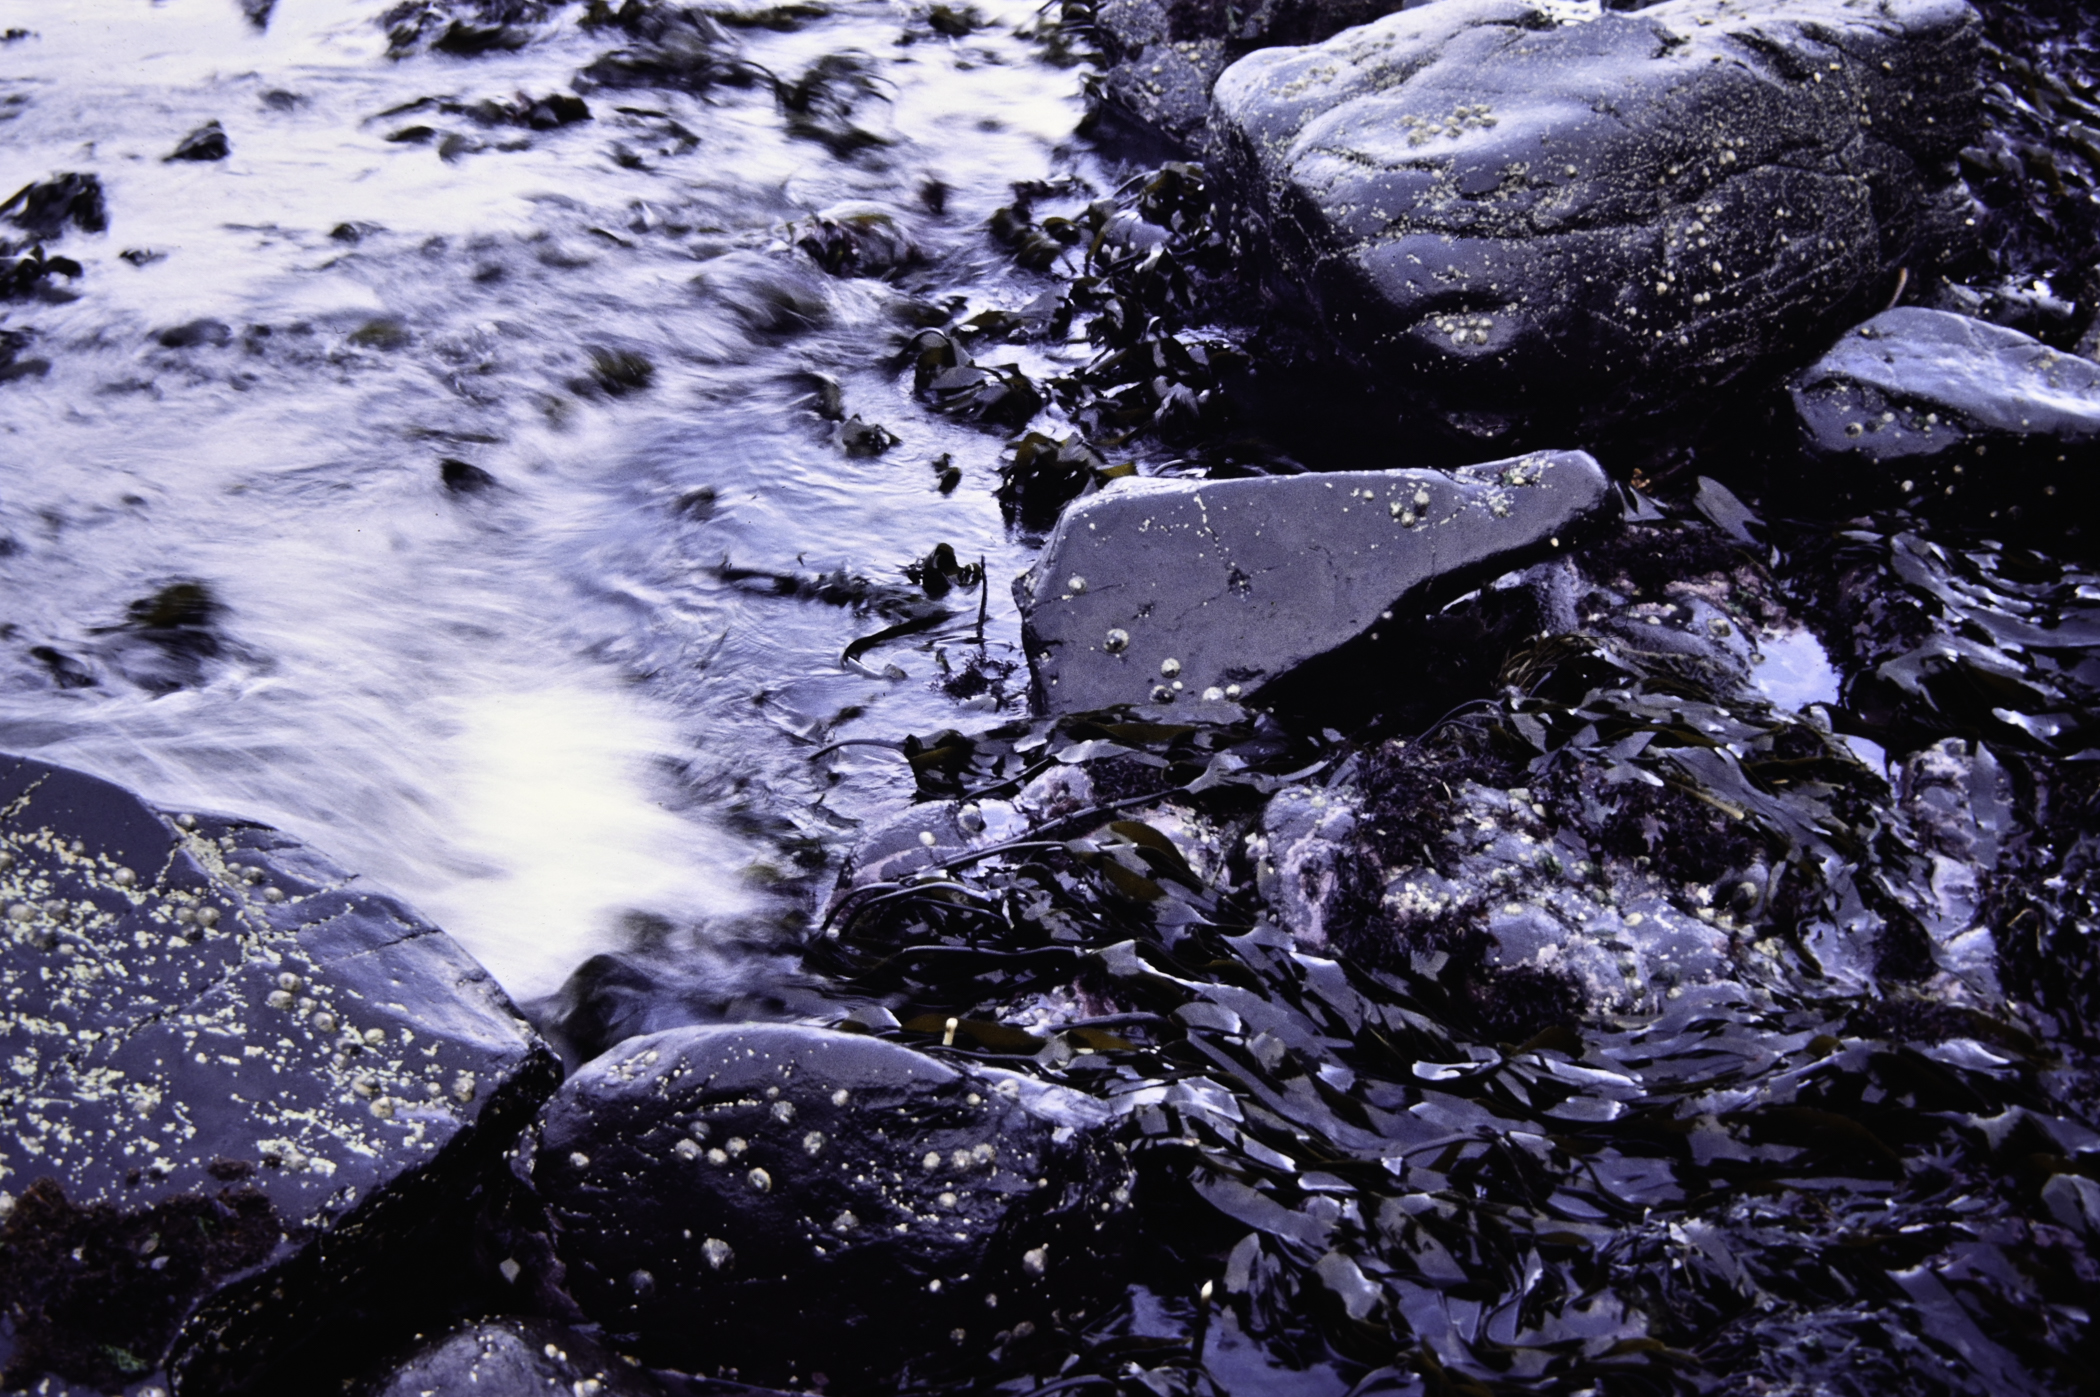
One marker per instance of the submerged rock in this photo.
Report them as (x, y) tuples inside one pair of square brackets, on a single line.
[(787, 1202), (1930, 409), (1162, 591), (1534, 227), (246, 1101), (207, 142)]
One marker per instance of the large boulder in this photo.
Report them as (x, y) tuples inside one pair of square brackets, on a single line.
[(1929, 409), (1160, 57), (1532, 228), (1162, 591), (246, 1100), (801, 1206)]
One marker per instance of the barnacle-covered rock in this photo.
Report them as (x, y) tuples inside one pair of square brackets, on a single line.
[(246, 1100), (1180, 591), (516, 1358), (1950, 415), (714, 1190), (1529, 227)]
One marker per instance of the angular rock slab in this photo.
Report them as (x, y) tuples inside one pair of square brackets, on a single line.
[(241, 1092), (784, 1201), (1543, 228), (1168, 591), (1929, 408)]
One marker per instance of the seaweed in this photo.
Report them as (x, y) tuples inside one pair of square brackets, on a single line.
[(97, 1294), (44, 209), (1363, 1163)]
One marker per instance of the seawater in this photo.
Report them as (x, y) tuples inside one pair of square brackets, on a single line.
[(536, 712)]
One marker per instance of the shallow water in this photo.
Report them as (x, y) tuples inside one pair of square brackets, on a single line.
[(537, 710)]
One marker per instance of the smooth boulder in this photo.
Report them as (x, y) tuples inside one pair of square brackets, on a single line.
[(800, 1206), (1530, 229), (1165, 591), (247, 1100), (1926, 408)]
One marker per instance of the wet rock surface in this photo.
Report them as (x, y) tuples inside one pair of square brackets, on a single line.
[(1532, 226), (1160, 57), (712, 1190), (244, 1093), (1952, 416), (1157, 592)]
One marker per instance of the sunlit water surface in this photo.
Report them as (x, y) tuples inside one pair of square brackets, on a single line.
[(537, 710)]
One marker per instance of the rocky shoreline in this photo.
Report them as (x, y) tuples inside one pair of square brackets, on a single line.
[(1590, 890)]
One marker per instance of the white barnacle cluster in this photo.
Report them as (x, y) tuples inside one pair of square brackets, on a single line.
[(1421, 130), (1471, 329), (1525, 470)]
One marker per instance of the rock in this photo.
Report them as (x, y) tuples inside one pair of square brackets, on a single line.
[(517, 1358), (1161, 56), (1528, 228), (207, 142), (1928, 408), (1168, 591), (192, 333), (714, 1190), (247, 1100)]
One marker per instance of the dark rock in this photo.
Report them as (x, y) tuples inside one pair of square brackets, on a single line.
[(1160, 57), (1528, 228), (247, 1101), (463, 478), (195, 332), (14, 363), (556, 109), (43, 210), (517, 1358), (787, 1202), (1170, 590), (207, 142), (1934, 410)]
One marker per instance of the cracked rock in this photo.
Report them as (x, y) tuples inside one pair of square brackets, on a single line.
[(1170, 591), (712, 1189), (245, 1100), (1940, 412), (1531, 228)]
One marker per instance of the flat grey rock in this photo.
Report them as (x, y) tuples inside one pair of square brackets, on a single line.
[(1533, 228), (1926, 407), (243, 1091), (1184, 591)]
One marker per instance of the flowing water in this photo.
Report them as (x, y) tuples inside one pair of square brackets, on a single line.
[(541, 711)]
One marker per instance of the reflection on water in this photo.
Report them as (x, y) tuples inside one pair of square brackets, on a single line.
[(536, 707), (1795, 672)]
